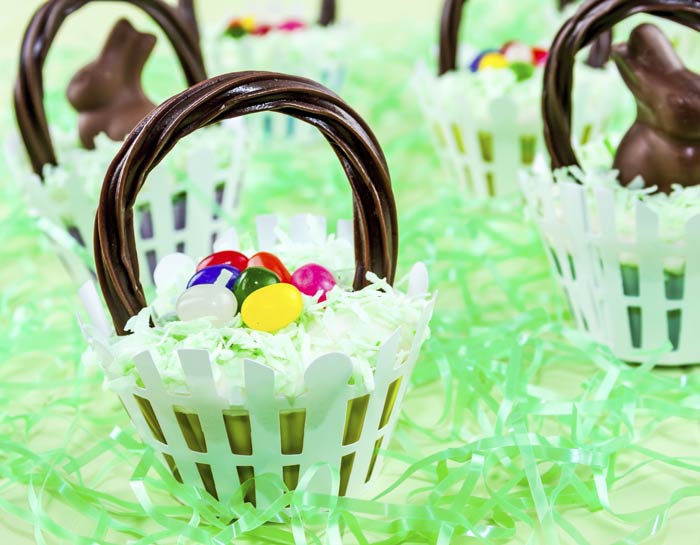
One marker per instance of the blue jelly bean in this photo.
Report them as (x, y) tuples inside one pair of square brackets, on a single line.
[(210, 275)]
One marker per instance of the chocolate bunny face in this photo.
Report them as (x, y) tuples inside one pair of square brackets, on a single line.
[(663, 145), (107, 93)]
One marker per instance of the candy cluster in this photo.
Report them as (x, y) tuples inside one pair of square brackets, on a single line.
[(268, 296), (518, 57), (248, 26)]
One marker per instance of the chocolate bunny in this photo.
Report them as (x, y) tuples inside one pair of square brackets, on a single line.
[(663, 144), (107, 93)]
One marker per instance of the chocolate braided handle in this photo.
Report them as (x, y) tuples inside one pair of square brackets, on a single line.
[(224, 97), (450, 23), (328, 15), (178, 24), (593, 19), (601, 49)]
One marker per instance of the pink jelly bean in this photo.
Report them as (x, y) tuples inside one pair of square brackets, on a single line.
[(291, 25), (312, 278)]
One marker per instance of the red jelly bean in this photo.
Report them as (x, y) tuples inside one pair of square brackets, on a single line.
[(539, 56), (272, 263), (228, 257), (261, 30)]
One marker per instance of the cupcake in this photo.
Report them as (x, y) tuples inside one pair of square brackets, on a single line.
[(483, 106), (267, 357), (62, 168), (621, 233), (309, 45)]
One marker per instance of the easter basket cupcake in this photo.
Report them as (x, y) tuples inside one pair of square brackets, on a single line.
[(484, 116), (313, 369), (622, 240), (314, 47), (61, 172)]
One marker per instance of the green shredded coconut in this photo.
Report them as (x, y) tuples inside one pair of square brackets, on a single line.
[(673, 210), (352, 323)]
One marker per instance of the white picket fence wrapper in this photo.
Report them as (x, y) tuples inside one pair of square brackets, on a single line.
[(484, 153), (170, 216), (323, 409), (635, 295)]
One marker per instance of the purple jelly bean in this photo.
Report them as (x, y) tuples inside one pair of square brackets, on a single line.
[(312, 278), (210, 275)]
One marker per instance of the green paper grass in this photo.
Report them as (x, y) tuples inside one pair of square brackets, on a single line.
[(517, 428)]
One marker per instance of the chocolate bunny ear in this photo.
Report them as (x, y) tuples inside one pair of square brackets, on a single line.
[(121, 32), (647, 52), (125, 42)]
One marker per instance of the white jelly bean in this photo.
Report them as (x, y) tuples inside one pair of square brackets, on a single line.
[(173, 270), (518, 52), (207, 301)]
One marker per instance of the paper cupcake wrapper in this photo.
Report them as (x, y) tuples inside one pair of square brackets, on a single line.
[(218, 444), (485, 153), (637, 296), (188, 201)]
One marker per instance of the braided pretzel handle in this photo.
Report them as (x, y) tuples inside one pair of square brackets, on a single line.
[(449, 38), (450, 22), (593, 18), (327, 16), (229, 96), (178, 24)]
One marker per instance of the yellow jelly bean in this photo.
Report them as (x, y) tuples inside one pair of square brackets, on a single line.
[(493, 60), (248, 23), (272, 308)]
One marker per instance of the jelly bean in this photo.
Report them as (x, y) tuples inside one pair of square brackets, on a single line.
[(173, 270), (493, 60), (291, 25), (227, 257), (522, 70), (261, 30), (248, 23), (211, 274), (207, 301), (272, 308), (312, 278), (235, 29), (474, 66), (271, 263), (539, 56), (251, 280), (517, 52)]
